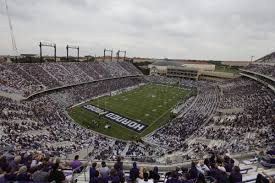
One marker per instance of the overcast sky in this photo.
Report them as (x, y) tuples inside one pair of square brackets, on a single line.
[(191, 29)]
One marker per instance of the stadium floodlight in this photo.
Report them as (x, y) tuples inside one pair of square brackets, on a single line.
[(118, 53), (107, 50), (41, 44), (72, 47), (252, 58)]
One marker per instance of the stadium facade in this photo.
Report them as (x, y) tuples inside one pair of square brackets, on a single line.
[(196, 70)]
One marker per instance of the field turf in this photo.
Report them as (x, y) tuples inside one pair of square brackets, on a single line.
[(150, 104)]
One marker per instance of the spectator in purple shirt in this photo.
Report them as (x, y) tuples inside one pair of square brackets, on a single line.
[(93, 170), (134, 172), (271, 152), (95, 179), (235, 175), (75, 163)]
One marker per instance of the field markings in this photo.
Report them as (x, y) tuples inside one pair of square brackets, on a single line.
[(160, 117), (130, 109), (169, 110)]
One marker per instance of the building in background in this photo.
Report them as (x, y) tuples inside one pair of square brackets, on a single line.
[(160, 67), (189, 69)]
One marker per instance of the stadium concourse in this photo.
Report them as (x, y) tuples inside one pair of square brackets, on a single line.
[(229, 117)]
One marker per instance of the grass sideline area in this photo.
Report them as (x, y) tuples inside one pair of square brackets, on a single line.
[(150, 104)]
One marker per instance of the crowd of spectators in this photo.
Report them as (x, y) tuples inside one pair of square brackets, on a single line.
[(39, 166), (216, 168), (232, 116), (265, 69), (270, 58), (34, 166), (29, 78), (41, 123), (175, 81), (243, 130)]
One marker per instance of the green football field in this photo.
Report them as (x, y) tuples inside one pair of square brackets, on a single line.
[(149, 104)]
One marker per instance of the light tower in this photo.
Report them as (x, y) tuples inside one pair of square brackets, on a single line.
[(53, 45), (252, 58), (118, 53), (72, 47), (107, 50)]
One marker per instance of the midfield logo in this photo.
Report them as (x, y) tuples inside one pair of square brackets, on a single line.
[(117, 118)]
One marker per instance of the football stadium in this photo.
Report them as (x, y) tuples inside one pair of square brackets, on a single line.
[(123, 118)]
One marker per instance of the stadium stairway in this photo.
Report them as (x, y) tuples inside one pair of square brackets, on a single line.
[(125, 149)]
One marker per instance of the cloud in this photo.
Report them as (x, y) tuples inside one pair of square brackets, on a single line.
[(199, 29)]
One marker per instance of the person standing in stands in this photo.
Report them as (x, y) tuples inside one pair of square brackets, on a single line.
[(93, 170), (212, 158), (193, 170), (228, 163), (259, 157), (56, 175), (235, 175), (154, 174), (76, 164), (134, 172), (95, 179), (104, 170), (118, 166)]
